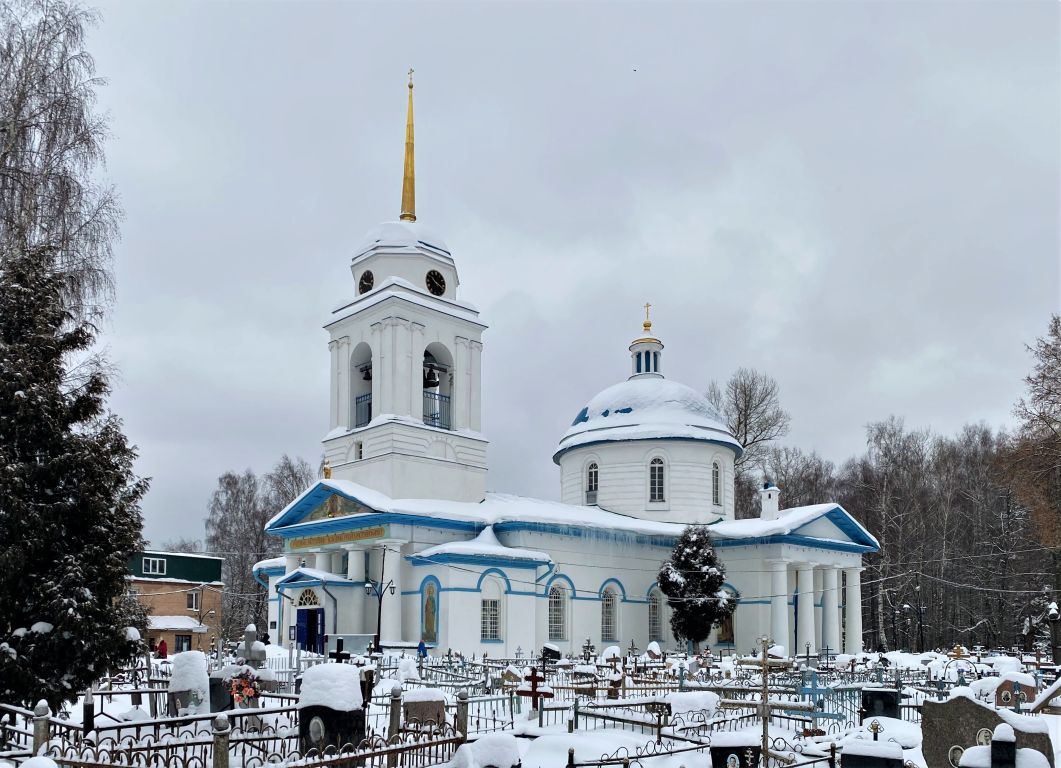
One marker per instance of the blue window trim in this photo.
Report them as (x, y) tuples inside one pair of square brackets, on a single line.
[(484, 640)]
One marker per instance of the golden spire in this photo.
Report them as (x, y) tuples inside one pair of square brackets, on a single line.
[(409, 179), (647, 325)]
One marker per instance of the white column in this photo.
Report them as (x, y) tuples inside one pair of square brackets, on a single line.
[(853, 623), (291, 562), (416, 370), (461, 384), (404, 383), (333, 416), (343, 380), (336, 566), (355, 571), (475, 386), (805, 609), (389, 367), (779, 630), (378, 376), (830, 610), (391, 623)]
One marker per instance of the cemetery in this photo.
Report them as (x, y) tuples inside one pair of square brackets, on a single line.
[(604, 707)]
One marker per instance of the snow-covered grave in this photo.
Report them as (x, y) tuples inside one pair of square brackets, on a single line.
[(666, 707)]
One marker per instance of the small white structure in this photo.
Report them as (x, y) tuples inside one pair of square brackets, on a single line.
[(403, 509)]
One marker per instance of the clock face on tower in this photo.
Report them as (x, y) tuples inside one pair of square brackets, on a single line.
[(364, 285), (436, 283)]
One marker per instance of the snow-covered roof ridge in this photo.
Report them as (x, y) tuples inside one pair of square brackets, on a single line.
[(199, 555), (402, 234), (486, 544), (272, 562), (790, 520), (506, 511), (176, 622), (314, 574), (644, 409)]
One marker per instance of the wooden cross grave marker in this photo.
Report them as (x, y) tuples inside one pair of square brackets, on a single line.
[(534, 693)]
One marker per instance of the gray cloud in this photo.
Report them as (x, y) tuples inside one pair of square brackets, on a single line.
[(860, 199)]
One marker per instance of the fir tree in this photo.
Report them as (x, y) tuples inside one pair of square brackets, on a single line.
[(69, 501), (692, 581)]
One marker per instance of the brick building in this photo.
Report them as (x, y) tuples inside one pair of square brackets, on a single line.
[(182, 594)]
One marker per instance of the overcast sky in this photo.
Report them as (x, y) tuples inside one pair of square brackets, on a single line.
[(859, 199)]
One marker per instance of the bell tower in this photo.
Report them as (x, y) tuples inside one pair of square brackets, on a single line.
[(405, 411)]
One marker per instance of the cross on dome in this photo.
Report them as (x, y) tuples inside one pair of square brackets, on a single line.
[(645, 351)]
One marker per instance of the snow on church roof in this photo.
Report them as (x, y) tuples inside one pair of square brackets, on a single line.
[(499, 509), (647, 408), (486, 544), (402, 234)]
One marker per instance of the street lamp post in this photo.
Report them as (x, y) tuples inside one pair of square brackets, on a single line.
[(379, 589), (1054, 617)]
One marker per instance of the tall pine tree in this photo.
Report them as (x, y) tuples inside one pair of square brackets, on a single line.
[(692, 581), (69, 501)]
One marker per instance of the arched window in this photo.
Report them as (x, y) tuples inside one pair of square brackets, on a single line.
[(308, 598), (490, 612), (655, 616), (557, 613), (609, 616), (592, 474), (655, 480), (716, 484)]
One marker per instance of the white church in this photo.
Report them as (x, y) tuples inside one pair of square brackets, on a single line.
[(402, 539)]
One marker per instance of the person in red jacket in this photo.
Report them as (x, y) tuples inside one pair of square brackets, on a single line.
[(162, 648)]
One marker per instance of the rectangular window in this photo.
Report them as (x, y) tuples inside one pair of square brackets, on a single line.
[(491, 620), (608, 631), (154, 566), (557, 620), (655, 481), (193, 600), (182, 643), (655, 618)]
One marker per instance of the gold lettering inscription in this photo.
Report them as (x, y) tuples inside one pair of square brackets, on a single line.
[(341, 537)]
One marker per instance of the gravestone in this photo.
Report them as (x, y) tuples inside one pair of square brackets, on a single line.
[(189, 685), (880, 702), (424, 707), (866, 753), (730, 750), (220, 694), (950, 727), (330, 707)]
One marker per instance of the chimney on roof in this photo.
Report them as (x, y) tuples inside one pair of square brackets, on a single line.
[(769, 497)]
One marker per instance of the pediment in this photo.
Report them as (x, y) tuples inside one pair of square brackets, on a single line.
[(837, 525), (320, 503)]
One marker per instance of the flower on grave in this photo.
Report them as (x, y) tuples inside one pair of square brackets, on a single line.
[(244, 686)]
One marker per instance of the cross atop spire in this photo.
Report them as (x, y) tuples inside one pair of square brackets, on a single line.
[(647, 325), (409, 177)]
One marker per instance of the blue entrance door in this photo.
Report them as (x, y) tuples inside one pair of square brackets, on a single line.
[(309, 629)]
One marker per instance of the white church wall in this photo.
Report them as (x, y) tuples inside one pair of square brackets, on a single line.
[(397, 453), (623, 479)]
